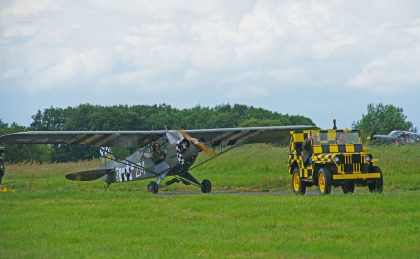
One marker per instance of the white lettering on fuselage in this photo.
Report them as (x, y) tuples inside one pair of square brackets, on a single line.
[(140, 170), (126, 173)]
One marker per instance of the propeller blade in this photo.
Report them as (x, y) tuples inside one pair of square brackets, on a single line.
[(209, 151), (370, 137), (201, 146)]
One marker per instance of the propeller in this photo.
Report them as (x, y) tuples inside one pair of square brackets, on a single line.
[(370, 138), (200, 145)]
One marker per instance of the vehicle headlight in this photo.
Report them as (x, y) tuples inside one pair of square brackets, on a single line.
[(337, 159), (368, 158)]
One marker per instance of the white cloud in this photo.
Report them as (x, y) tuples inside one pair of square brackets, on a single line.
[(19, 31), (12, 73), (398, 69), (246, 91), (48, 45), (395, 72), (20, 9)]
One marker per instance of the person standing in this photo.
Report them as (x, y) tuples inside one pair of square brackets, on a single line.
[(307, 151)]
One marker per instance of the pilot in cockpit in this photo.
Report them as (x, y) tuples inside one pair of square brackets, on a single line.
[(158, 154)]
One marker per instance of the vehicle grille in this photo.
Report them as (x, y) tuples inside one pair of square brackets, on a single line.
[(352, 163)]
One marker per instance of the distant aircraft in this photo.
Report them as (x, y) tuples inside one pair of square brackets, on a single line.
[(181, 149), (395, 137)]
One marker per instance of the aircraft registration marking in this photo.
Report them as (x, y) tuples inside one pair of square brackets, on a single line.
[(140, 171), (126, 173)]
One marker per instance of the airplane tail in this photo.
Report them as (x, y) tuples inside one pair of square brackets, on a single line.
[(107, 160), (106, 167)]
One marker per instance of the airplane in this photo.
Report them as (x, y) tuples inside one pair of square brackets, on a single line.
[(395, 137), (180, 151)]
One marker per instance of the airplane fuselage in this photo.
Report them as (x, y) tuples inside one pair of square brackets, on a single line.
[(145, 168)]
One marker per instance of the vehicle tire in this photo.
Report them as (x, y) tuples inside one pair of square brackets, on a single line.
[(2, 170), (376, 185), (324, 181), (298, 186), (206, 186), (153, 187), (348, 187)]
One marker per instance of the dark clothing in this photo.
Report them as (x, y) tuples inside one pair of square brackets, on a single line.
[(158, 157), (306, 150)]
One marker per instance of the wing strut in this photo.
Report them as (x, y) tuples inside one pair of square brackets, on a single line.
[(225, 151)]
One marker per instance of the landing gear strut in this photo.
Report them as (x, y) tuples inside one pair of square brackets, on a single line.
[(205, 185), (185, 178)]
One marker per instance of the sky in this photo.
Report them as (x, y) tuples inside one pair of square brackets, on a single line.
[(320, 59)]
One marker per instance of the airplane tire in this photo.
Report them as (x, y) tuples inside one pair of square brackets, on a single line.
[(153, 187), (377, 184), (348, 187), (206, 186), (324, 181)]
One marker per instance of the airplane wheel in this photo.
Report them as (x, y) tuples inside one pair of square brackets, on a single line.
[(153, 187), (206, 186), (348, 187), (324, 181), (376, 185)]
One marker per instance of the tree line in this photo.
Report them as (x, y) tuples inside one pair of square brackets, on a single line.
[(135, 117), (380, 119)]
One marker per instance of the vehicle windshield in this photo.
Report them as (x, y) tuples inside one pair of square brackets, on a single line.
[(348, 138), (335, 138)]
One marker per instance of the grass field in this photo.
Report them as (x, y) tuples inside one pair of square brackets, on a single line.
[(49, 216)]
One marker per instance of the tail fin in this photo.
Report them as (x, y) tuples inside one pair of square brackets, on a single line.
[(107, 160)]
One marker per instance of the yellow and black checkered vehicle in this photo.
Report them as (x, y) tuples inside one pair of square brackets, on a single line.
[(337, 158)]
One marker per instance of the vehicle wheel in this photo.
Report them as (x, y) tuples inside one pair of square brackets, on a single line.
[(153, 187), (376, 185), (1, 170), (348, 187), (298, 186), (206, 186), (324, 181)]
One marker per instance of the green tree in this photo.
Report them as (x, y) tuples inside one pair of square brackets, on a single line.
[(254, 122), (383, 119), (149, 117), (3, 125)]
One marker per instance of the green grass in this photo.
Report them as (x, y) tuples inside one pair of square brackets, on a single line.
[(49, 216)]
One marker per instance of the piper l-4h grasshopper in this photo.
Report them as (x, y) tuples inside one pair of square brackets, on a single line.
[(180, 150), (334, 158)]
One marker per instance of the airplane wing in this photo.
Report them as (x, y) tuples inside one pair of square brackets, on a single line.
[(248, 135), (217, 137), (93, 138)]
